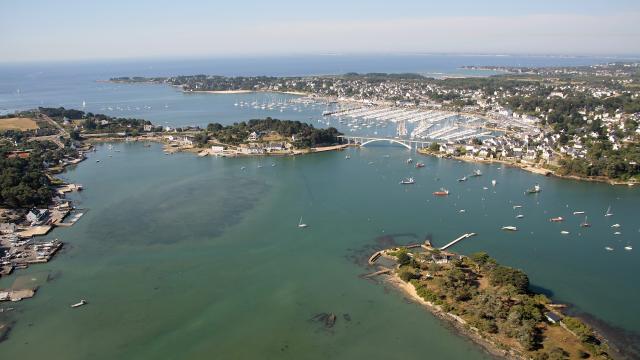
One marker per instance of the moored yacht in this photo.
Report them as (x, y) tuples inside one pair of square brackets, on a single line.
[(408, 181), (534, 190)]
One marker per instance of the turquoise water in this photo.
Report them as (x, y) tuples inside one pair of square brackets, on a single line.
[(187, 257)]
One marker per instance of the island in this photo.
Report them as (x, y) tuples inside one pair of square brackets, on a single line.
[(488, 302)]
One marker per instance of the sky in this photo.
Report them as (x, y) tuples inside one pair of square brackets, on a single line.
[(58, 30)]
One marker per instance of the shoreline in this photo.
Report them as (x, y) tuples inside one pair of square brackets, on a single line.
[(168, 149), (531, 169), (297, 93), (460, 326)]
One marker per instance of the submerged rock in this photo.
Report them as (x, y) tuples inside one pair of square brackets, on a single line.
[(328, 319), (331, 320)]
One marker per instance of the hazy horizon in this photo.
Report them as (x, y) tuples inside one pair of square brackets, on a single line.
[(75, 30)]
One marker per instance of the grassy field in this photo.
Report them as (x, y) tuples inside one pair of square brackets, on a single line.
[(17, 123)]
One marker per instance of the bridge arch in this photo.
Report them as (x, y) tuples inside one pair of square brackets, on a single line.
[(400, 142)]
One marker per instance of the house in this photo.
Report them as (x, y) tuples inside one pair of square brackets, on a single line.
[(7, 228), (148, 127), (186, 141), (253, 136), (37, 216), (552, 317), (18, 154), (217, 149)]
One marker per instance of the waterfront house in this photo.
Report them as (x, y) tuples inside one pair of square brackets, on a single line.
[(37, 216)]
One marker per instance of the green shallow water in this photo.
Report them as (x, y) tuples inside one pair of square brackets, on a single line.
[(183, 257)]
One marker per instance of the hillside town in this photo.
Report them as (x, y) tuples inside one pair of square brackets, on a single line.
[(573, 121)]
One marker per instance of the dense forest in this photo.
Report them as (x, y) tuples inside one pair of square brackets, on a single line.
[(23, 182), (305, 134)]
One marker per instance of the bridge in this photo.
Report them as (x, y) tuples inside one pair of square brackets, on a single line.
[(364, 140)]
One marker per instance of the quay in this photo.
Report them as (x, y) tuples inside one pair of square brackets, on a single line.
[(457, 240)]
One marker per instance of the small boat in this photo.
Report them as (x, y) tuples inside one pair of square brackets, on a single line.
[(442, 192), (408, 181), (557, 219), (97, 160), (564, 232), (476, 172), (259, 166), (608, 248), (347, 157), (493, 183), (409, 160), (519, 216), (273, 164), (510, 228), (242, 168), (628, 248), (81, 303), (517, 206), (462, 211), (419, 165), (578, 212), (301, 224), (608, 213), (534, 190), (615, 225), (464, 178), (485, 188), (617, 233), (585, 224)]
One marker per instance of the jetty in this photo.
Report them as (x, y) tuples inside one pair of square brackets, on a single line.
[(462, 237), (379, 272), (375, 257)]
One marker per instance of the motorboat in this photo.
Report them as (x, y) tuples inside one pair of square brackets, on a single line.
[(408, 181), (442, 192), (534, 190), (78, 304), (510, 228)]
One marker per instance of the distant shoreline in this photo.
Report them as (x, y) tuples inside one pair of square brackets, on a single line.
[(532, 169)]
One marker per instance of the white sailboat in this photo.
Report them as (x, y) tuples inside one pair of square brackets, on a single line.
[(301, 224), (608, 213)]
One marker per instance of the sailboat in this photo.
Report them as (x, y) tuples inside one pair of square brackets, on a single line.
[(585, 223), (608, 213), (493, 182), (301, 224)]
